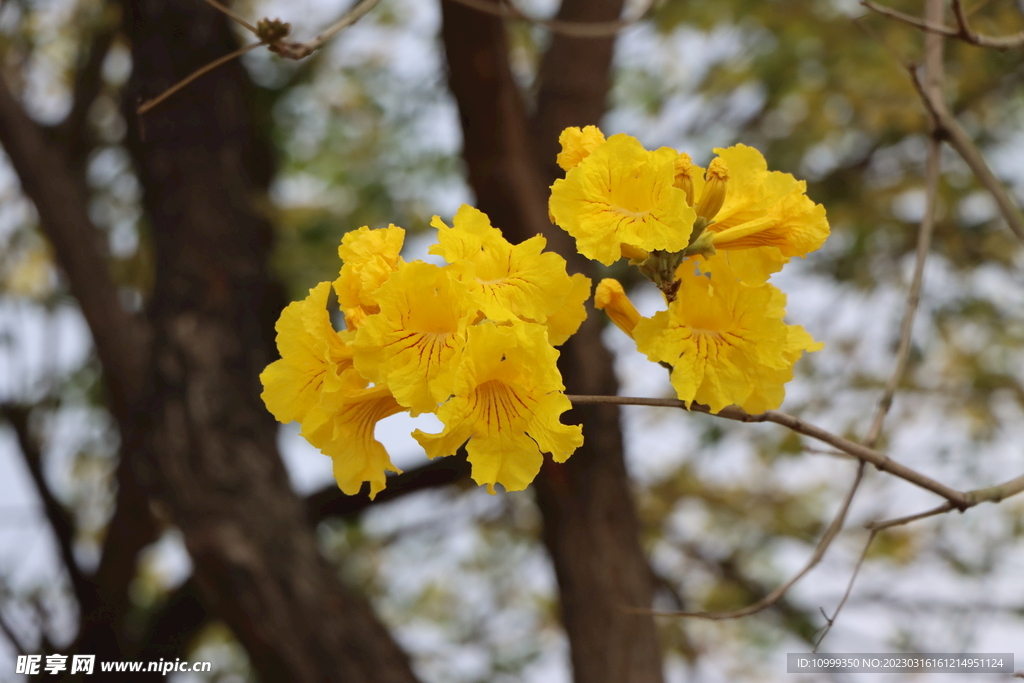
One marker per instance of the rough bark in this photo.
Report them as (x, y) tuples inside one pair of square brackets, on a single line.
[(215, 466), (590, 525)]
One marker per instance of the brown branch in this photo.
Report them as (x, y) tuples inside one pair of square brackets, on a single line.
[(934, 74), (5, 628), (121, 342), (900, 521), (962, 31), (957, 137), (859, 451), (61, 200), (924, 238), (331, 502), (270, 33), (849, 588), (60, 520), (206, 68), (87, 87), (183, 614), (772, 598)]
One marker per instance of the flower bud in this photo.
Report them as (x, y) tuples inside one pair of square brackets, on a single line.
[(713, 196), (684, 170), (612, 298)]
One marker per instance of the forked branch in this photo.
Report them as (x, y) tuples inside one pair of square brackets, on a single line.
[(962, 30)]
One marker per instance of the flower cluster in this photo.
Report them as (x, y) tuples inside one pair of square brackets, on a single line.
[(709, 239), (472, 341)]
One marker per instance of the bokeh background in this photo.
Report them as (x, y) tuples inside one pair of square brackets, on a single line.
[(366, 132)]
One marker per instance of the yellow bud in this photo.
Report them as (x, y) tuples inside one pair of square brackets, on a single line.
[(633, 253), (713, 196), (612, 298), (684, 170)]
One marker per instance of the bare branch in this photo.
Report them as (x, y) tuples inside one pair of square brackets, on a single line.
[(900, 521), (331, 502), (957, 137), (270, 33), (859, 451), (962, 31), (769, 600), (5, 628), (88, 85), (302, 50), (62, 202), (933, 57), (206, 68), (574, 29), (229, 12), (60, 520), (849, 588)]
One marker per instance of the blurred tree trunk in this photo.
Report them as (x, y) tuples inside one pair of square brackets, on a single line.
[(590, 525), (215, 466)]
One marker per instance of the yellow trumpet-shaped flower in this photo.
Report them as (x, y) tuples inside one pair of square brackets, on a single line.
[(726, 341), (506, 281), (765, 217), (369, 257), (413, 344), (316, 384), (577, 144), (313, 359), (611, 297), (507, 403), (346, 435), (623, 194)]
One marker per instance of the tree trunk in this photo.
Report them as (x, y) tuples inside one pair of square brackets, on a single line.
[(590, 525), (215, 466)]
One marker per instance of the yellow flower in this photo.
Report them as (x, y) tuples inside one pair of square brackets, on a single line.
[(369, 258), (726, 341), (765, 217), (564, 322), (413, 345), (507, 405), (346, 434), (507, 282), (623, 194), (577, 145), (316, 384), (313, 359), (612, 298)]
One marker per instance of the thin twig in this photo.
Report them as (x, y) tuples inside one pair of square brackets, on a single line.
[(900, 521), (962, 143), (767, 601), (924, 238), (962, 31), (297, 51), (228, 11), (596, 29), (859, 451), (146, 106), (829, 621)]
